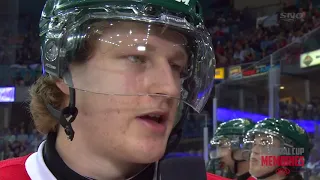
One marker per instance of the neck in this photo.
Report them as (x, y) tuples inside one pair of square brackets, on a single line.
[(80, 159), (243, 167)]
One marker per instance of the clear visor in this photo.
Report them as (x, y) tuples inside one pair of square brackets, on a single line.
[(220, 147), (266, 144), (130, 58), (229, 146)]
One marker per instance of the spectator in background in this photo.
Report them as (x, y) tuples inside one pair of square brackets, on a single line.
[(238, 56), (249, 54), (297, 36), (35, 138), (219, 48), (265, 43), (222, 60), (225, 29), (229, 56), (10, 137), (22, 137), (19, 145)]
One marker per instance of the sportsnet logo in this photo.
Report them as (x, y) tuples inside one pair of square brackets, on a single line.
[(291, 16), (283, 157)]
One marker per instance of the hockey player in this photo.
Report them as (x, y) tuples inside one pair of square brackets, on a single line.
[(119, 79), (230, 152), (277, 138)]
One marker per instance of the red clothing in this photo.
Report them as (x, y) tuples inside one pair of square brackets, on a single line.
[(220, 50), (215, 177), (251, 178), (14, 169)]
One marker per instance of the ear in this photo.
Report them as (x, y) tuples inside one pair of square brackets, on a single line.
[(63, 86)]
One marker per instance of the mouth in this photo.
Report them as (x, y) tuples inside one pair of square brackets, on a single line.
[(155, 121), (254, 159)]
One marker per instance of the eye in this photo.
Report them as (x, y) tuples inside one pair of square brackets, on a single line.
[(137, 59), (182, 70), (176, 67)]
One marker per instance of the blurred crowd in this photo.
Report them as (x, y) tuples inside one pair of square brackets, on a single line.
[(239, 39), (23, 44), (295, 110), (18, 141), (236, 37), (19, 50)]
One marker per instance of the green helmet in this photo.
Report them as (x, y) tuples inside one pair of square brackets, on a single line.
[(289, 133), (233, 130), (66, 26), (229, 136), (238, 127)]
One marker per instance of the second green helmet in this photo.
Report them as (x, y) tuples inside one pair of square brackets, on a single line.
[(232, 132), (289, 133)]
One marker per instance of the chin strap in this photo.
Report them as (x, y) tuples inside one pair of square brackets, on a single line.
[(236, 162), (176, 134), (67, 115)]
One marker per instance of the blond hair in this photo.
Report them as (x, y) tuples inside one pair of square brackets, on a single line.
[(45, 92)]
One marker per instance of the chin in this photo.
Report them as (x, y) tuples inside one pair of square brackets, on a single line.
[(148, 156), (255, 172)]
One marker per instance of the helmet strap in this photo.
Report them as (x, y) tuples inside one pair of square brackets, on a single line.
[(236, 162), (67, 115), (176, 134)]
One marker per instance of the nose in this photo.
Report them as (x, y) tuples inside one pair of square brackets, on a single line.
[(162, 79), (255, 149)]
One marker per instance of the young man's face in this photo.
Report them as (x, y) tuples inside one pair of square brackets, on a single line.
[(260, 148), (130, 59)]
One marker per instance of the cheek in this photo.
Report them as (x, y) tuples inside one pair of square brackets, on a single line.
[(104, 116), (90, 104), (106, 81), (173, 118)]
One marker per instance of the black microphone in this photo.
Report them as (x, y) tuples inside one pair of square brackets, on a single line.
[(185, 168)]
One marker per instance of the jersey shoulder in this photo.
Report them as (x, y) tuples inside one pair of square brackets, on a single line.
[(211, 176), (13, 169)]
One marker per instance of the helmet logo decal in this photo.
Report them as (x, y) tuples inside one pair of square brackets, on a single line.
[(51, 51), (186, 2), (299, 129), (246, 122)]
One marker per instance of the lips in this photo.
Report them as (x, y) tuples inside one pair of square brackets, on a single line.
[(254, 159), (155, 121)]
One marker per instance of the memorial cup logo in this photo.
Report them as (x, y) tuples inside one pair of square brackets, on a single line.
[(300, 130), (283, 157), (186, 2), (283, 171)]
